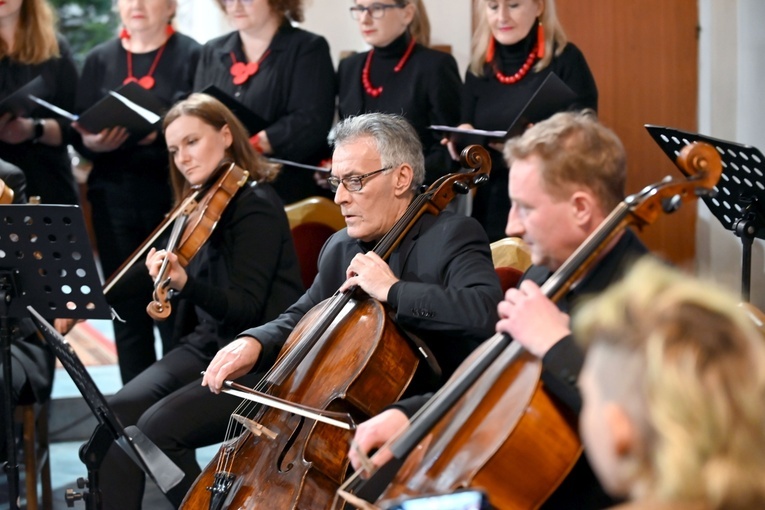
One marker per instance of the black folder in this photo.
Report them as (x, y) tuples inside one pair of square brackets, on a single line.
[(253, 122), (18, 103), (552, 96), (130, 106)]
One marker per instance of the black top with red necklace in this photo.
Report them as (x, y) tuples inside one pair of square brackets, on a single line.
[(292, 88), (425, 90), (489, 104), (106, 69)]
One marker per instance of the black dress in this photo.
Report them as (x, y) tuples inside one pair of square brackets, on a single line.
[(48, 169), (425, 91), (293, 91), (491, 105), (129, 188)]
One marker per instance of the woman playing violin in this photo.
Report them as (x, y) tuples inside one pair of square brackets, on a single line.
[(245, 274)]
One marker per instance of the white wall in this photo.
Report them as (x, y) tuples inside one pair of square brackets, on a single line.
[(731, 107)]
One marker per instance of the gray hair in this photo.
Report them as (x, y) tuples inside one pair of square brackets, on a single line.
[(395, 139)]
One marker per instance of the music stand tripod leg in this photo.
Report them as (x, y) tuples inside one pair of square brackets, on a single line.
[(11, 464)]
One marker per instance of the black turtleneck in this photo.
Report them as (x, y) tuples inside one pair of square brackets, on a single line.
[(489, 104), (425, 91), (509, 58)]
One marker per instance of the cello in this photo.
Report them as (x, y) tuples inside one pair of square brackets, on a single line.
[(282, 460), (494, 425)]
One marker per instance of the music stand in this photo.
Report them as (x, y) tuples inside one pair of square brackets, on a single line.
[(45, 264), (138, 447), (738, 201)]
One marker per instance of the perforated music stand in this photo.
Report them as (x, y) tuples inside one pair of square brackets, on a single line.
[(139, 448), (46, 268), (738, 201), (45, 262)]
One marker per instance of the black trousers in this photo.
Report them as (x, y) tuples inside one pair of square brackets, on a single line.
[(125, 213), (170, 406)]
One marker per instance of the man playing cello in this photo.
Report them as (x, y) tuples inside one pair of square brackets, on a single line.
[(566, 175), (439, 282)]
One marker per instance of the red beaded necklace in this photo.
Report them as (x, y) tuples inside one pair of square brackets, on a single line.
[(537, 51), (242, 72), (509, 80), (147, 81), (376, 91)]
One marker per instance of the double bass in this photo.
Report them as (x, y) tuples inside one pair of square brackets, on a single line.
[(345, 357), (494, 425)]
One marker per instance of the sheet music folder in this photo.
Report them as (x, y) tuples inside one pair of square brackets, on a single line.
[(143, 452), (130, 106), (18, 102), (251, 120), (552, 96)]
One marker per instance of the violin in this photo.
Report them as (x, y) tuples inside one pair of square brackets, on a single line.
[(6, 193), (494, 425), (193, 227), (275, 459)]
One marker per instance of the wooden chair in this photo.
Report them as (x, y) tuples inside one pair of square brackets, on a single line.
[(34, 424), (312, 221), (511, 258)]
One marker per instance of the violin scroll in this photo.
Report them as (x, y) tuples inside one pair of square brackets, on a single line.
[(159, 308)]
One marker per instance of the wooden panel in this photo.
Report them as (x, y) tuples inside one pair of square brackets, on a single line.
[(644, 56)]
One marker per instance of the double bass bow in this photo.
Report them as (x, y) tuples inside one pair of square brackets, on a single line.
[(275, 459), (494, 425)]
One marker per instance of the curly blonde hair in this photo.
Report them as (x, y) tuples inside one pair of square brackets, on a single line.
[(691, 375)]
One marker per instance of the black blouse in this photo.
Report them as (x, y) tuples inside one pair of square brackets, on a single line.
[(47, 169), (293, 91), (105, 69), (425, 91)]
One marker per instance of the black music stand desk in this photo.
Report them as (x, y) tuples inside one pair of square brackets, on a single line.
[(738, 201), (47, 269)]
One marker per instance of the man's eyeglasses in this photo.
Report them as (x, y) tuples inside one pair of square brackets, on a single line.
[(375, 10), (353, 182)]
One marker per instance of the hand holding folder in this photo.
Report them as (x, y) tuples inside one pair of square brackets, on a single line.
[(552, 96), (131, 107)]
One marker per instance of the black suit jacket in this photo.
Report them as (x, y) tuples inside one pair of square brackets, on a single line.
[(447, 293)]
